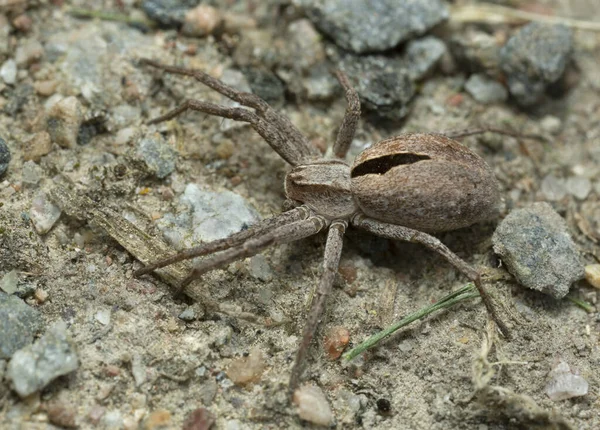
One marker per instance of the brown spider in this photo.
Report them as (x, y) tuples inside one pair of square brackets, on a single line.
[(401, 188)]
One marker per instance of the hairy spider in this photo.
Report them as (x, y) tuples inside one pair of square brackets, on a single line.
[(401, 188)]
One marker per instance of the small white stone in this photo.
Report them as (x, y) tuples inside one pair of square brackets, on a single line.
[(9, 282), (551, 124), (553, 188), (103, 316), (564, 383), (8, 71), (43, 213), (312, 405), (579, 186)]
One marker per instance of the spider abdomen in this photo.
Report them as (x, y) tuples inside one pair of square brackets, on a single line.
[(424, 181)]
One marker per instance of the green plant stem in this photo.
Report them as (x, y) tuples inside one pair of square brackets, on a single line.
[(467, 292), (582, 304), (108, 16)]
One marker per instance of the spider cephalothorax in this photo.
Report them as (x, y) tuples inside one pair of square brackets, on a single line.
[(401, 188)]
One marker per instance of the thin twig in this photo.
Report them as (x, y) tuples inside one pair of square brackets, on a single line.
[(467, 292), (496, 14), (109, 16)]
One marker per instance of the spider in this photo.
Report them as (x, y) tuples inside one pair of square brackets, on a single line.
[(401, 188)]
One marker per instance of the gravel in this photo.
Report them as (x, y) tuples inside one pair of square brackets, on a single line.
[(535, 245), (4, 156), (158, 155), (374, 26), (485, 90), (19, 323), (35, 366), (535, 57)]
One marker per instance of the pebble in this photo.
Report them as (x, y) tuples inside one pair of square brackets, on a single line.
[(211, 215), (304, 45), (28, 52), (188, 314), (64, 120), (4, 156), (384, 86), (158, 155), (551, 124), (313, 405), (554, 189), (199, 419), (37, 146), (374, 26), (245, 370), (168, 13), (336, 340), (564, 383), (592, 275), (18, 323), (31, 173), (43, 213), (62, 414), (201, 21), (8, 72), (103, 316), (535, 57), (578, 186), (9, 282), (535, 245), (259, 268), (45, 88), (35, 366), (422, 55), (477, 50), (265, 84), (485, 90)]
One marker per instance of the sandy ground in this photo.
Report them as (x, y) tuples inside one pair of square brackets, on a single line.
[(149, 366)]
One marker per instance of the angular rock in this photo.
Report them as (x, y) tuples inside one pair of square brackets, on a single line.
[(8, 72), (168, 13), (35, 366), (564, 383), (18, 324), (485, 90), (376, 25), (535, 57), (44, 213), (382, 83), (4, 156), (211, 216), (64, 120), (158, 155), (422, 55), (535, 245)]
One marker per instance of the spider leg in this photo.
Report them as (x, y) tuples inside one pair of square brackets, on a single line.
[(351, 117), (331, 260), (283, 234), (397, 232), (457, 134), (236, 239), (275, 128)]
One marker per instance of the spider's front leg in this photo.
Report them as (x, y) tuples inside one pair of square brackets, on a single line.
[(331, 261), (397, 232), (277, 130)]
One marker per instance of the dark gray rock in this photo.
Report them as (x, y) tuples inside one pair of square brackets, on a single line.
[(168, 13), (158, 155), (535, 57), (485, 90), (4, 156), (34, 366), (18, 324), (265, 84), (384, 86), (536, 248), (374, 25)]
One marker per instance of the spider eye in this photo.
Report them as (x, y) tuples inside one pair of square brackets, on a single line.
[(380, 165)]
